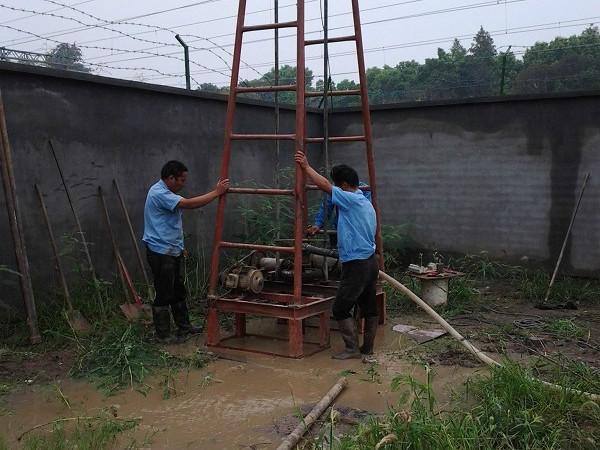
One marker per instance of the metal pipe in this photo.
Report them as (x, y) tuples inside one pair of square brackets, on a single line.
[(300, 134), (277, 127), (138, 253), (260, 191), (320, 251), (334, 39), (259, 247), (325, 111), (235, 72), (366, 113), (186, 56), (270, 26), (14, 218)]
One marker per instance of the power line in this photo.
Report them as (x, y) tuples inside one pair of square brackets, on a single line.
[(426, 13), (202, 22), (16, 19), (515, 30)]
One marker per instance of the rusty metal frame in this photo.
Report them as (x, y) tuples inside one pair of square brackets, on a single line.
[(295, 305)]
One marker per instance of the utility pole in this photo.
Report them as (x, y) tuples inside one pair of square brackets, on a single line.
[(504, 69), (186, 55)]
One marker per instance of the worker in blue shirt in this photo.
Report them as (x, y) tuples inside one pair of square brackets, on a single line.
[(327, 210), (356, 246), (163, 236)]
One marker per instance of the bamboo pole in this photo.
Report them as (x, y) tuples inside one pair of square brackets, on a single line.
[(564, 244), (292, 439), (16, 228)]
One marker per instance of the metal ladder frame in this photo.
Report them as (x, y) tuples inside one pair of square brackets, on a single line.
[(297, 304)]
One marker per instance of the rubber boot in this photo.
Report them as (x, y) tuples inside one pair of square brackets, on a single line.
[(162, 323), (181, 316), (371, 324), (350, 337)]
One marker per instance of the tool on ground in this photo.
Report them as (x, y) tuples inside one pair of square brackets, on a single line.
[(456, 335), (135, 241), (137, 310), (79, 228), (292, 439), (564, 245), (16, 229), (74, 316), (132, 310)]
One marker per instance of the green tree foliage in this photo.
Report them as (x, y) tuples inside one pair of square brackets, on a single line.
[(563, 64), (66, 56)]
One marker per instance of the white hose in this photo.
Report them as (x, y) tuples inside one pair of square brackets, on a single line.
[(460, 338)]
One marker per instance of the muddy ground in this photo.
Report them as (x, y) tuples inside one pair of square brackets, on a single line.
[(250, 401)]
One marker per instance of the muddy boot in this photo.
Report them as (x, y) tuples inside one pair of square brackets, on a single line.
[(162, 323), (366, 349), (181, 316), (350, 337)]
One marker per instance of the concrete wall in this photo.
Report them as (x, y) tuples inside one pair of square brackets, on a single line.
[(104, 129), (500, 176), (495, 175)]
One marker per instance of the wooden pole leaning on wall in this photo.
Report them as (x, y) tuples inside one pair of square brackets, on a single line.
[(14, 218)]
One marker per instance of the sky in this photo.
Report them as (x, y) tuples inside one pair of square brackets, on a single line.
[(135, 39)]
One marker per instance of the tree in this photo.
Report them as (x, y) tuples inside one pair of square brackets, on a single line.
[(66, 56)]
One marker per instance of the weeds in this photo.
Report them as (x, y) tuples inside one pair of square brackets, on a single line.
[(506, 409), (122, 357), (91, 433), (565, 328)]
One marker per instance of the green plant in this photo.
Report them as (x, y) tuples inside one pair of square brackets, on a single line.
[(482, 267), (89, 433), (565, 328), (122, 357), (506, 409)]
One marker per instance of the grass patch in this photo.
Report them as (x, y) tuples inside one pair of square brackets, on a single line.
[(506, 409), (123, 357), (91, 433), (565, 328)]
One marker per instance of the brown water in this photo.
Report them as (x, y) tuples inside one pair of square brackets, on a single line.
[(229, 404)]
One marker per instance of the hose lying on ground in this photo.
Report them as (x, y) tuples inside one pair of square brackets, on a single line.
[(455, 334)]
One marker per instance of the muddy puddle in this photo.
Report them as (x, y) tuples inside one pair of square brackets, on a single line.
[(232, 404)]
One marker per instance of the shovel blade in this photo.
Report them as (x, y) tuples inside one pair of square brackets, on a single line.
[(136, 311), (78, 322)]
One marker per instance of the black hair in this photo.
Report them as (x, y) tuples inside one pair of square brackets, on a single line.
[(343, 173), (174, 168)]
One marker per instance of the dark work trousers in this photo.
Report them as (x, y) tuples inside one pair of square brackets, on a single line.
[(169, 275), (358, 286)]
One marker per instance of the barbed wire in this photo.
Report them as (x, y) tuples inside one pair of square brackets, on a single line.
[(170, 56), (113, 22)]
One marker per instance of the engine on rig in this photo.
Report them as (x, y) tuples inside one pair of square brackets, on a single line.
[(250, 274)]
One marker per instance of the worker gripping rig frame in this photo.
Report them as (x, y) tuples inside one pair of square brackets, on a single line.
[(303, 300)]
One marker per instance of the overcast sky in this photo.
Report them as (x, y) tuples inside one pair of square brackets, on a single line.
[(393, 31)]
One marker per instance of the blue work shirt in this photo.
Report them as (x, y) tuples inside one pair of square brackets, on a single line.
[(356, 224), (163, 225), (327, 209)]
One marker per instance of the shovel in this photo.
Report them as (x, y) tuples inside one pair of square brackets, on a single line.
[(76, 320), (135, 310)]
